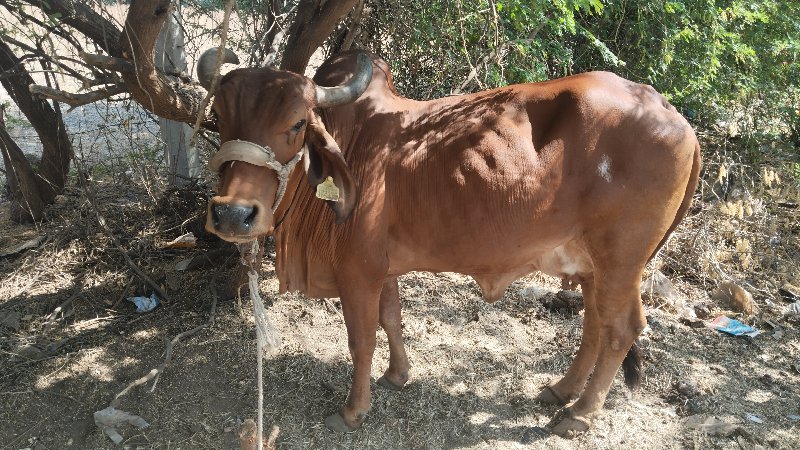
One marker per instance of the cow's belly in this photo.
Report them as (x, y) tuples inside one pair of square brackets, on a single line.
[(495, 270)]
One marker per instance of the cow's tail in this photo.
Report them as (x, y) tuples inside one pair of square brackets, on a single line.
[(632, 364)]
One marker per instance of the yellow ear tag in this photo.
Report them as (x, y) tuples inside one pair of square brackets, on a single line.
[(327, 190)]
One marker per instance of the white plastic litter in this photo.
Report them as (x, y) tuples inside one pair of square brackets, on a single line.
[(110, 418), (145, 304)]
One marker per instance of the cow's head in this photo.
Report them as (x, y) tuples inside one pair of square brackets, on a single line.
[(267, 123)]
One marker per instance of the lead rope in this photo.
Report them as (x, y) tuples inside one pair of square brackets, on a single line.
[(267, 338)]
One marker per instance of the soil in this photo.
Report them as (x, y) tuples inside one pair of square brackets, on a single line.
[(476, 367)]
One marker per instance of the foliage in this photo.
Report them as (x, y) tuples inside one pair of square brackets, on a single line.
[(717, 60), (711, 57), (441, 47)]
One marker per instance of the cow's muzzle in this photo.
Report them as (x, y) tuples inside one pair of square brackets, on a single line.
[(258, 155), (233, 220), (238, 219)]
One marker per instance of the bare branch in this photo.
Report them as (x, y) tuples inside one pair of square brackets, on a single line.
[(215, 81), (355, 26), (157, 371), (83, 18), (75, 100), (37, 53), (277, 40), (107, 62)]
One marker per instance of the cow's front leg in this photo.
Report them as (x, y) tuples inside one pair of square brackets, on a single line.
[(360, 310), (396, 375)]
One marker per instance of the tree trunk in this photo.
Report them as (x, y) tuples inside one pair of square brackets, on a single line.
[(26, 200), (37, 188), (182, 159), (315, 21)]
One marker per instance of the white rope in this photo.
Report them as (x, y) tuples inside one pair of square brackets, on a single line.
[(267, 338)]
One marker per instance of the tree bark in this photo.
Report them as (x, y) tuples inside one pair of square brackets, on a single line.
[(315, 21), (148, 86), (51, 176), (181, 157), (26, 200)]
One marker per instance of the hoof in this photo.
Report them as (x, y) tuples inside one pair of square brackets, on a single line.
[(568, 425), (385, 383), (551, 397), (335, 422)]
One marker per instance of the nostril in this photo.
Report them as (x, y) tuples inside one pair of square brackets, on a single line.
[(216, 212), (251, 217)]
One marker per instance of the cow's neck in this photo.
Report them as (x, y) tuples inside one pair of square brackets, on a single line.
[(304, 241)]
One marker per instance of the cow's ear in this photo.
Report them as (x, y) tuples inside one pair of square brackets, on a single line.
[(324, 160)]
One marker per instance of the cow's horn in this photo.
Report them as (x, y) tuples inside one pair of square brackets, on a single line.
[(207, 65), (348, 92)]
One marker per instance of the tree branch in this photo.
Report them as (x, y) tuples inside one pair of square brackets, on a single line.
[(215, 81), (157, 371), (37, 53), (107, 62), (148, 86), (354, 28), (312, 25), (75, 100), (45, 119), (83, 18)]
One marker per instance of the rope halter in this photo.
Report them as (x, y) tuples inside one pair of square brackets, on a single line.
[(257, 155)]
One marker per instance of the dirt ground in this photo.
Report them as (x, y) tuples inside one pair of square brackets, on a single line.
[(477, 367)]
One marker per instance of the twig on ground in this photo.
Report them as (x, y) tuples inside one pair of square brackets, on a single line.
[(123, 294), (90, 195), (156, 372), (333, 308), (25, 433), (50, 319)]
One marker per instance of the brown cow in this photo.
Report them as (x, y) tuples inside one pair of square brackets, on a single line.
[(582, 178)]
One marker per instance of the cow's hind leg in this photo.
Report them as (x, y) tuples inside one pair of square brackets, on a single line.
[(571, 384), (360, 310), (396, 375), (620, 320)]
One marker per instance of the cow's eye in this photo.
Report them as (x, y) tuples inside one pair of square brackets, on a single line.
[(299, 125)]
